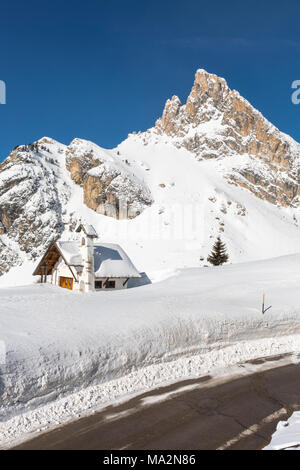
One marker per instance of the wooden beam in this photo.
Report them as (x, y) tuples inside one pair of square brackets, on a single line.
[(39, 269), (46, 272), (71, 271)]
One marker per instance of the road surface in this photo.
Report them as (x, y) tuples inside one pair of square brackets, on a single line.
[(195, 414)]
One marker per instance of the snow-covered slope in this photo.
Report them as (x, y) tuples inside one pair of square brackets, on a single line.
[(72, 353), (213, 166)]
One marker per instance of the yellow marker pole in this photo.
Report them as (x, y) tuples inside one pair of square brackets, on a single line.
[(263, 304)]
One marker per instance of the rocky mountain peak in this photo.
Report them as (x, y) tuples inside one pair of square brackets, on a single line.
[(206, 101), (207, 87), (217, 122)]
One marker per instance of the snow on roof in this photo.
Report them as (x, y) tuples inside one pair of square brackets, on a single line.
[(110, 260), (88, 230), (70, 252)]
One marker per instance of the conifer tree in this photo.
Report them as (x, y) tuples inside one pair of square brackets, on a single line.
[(219, 254)]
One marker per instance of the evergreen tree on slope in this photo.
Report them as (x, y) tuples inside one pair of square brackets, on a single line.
[(219, 254)]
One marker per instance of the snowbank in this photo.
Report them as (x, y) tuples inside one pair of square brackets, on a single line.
[(287, 435), (59, 343)]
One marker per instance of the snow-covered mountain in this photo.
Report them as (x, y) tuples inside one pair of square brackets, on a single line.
[(212, 166)]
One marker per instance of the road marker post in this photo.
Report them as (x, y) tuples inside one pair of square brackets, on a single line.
[(264, 310)]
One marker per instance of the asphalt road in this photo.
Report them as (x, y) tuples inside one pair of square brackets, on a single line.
[(206, 414)]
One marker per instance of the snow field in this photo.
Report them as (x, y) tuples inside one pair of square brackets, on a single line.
[(68, 353)]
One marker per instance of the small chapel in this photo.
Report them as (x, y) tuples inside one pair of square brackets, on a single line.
[(86, 265)]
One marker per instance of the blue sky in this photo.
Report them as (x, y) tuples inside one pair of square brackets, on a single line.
[(99, 70)]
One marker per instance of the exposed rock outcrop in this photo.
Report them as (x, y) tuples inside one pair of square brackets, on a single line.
[(112, 192), (80, 159), (8, 258), (109, 187)]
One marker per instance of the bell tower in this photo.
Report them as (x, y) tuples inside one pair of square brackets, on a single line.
[(87, 233)]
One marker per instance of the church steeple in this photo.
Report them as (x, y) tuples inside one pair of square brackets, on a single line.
[(86, 247)]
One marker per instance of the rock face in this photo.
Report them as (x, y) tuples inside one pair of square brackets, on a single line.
[(217, 122), (31, 201), (80, 158), (109, 187), (111, 192), (8, 258)]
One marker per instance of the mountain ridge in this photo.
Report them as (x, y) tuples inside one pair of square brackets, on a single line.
[(215, 151)]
